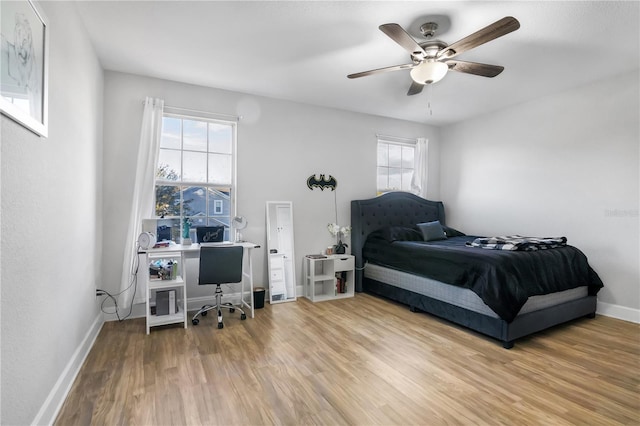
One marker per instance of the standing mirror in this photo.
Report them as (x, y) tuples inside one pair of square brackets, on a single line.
[(281, 260)]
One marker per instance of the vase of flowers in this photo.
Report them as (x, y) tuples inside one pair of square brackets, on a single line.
[(339, 232)]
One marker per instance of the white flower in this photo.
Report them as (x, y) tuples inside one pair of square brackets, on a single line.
[(337, 230), (333, 228)]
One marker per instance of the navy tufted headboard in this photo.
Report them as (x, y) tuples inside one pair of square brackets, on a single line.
[(391, 209)]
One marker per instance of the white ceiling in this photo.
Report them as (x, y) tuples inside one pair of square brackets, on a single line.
[(303, 50)]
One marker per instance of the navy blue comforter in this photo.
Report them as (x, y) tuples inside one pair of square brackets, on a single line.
[(504, 280)]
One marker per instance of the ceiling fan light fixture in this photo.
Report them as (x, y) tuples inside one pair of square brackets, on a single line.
[(429, 72)]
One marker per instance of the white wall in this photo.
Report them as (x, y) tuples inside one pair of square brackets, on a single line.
[(51, 213), (561, 165), (280, 144)]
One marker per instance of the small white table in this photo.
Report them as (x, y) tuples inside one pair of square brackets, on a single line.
[(328, 277), (178, 252)]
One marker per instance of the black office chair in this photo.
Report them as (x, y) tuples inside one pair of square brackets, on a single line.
[(219, 265)]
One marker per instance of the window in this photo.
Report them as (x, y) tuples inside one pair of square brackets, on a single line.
[(217, 207), (395, 165), (195, 177)]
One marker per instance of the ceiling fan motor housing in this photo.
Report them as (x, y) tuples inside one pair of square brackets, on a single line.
[(428, 29), (431, 48)]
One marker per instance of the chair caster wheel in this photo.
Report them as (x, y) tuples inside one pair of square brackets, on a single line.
[(204, 314), (232, 310), (243, 316), (220, 325), (195, 321)]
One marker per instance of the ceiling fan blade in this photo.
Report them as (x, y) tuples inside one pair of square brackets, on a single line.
[(400, 36), (488, 33), (381, 70), (484, 70), (415, 88)]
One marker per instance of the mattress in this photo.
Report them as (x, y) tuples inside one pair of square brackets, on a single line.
[(463, 297)]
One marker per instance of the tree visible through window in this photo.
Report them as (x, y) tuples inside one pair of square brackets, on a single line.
[(195, 177), (395, 166)]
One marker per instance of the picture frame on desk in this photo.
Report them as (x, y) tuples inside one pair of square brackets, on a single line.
[(24, 65)]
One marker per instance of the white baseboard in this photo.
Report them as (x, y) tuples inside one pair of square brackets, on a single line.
[(619, 312), (52, 405), (193, 304)]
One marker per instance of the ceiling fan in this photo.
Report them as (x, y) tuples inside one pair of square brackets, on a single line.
[(431, 59)]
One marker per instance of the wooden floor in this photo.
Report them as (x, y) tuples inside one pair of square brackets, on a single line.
[(360, 361)]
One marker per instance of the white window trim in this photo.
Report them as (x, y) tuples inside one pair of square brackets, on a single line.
[(211, 118), (392, 140)]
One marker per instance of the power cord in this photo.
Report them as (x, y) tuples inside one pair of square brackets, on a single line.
[(366, 262), (114, 297)]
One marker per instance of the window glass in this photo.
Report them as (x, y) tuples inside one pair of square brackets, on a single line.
[(407, 174), (167, 200), (194, 201), (217, 202), (407, 157), (395, 155), (220, 138), (169, 165), (195, 135), (395, 178), (195, 166), (171, 133), (220, 169), (200, 151), (395, 166), (383, 155)]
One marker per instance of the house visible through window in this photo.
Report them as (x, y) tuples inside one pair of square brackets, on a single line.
[(195, 177), (395, 165)]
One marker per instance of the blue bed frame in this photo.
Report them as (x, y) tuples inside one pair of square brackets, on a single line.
[(406, 209)]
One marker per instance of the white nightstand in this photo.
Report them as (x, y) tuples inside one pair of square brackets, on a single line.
[(328, 277)]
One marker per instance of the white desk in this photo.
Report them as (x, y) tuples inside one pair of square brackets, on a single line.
[(178, 251)]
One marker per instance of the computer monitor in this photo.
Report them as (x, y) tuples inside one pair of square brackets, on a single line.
[(210, 234)]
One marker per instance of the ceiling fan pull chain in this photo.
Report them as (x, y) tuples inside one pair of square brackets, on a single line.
[(429, 92)]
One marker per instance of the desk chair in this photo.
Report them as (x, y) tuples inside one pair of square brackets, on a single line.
[(219, 265)]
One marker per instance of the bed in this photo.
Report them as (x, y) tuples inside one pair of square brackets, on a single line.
[(461, 283)]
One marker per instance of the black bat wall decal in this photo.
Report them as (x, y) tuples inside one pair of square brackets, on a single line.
[(322, 183)]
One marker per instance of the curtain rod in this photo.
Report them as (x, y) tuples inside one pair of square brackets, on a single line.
[(208, 113), (396, 138), (214, 114)]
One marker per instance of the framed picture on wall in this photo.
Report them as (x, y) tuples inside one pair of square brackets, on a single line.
[(24, 64)]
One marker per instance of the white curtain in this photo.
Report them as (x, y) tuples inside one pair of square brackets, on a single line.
[(420, 168), (143, 193)]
